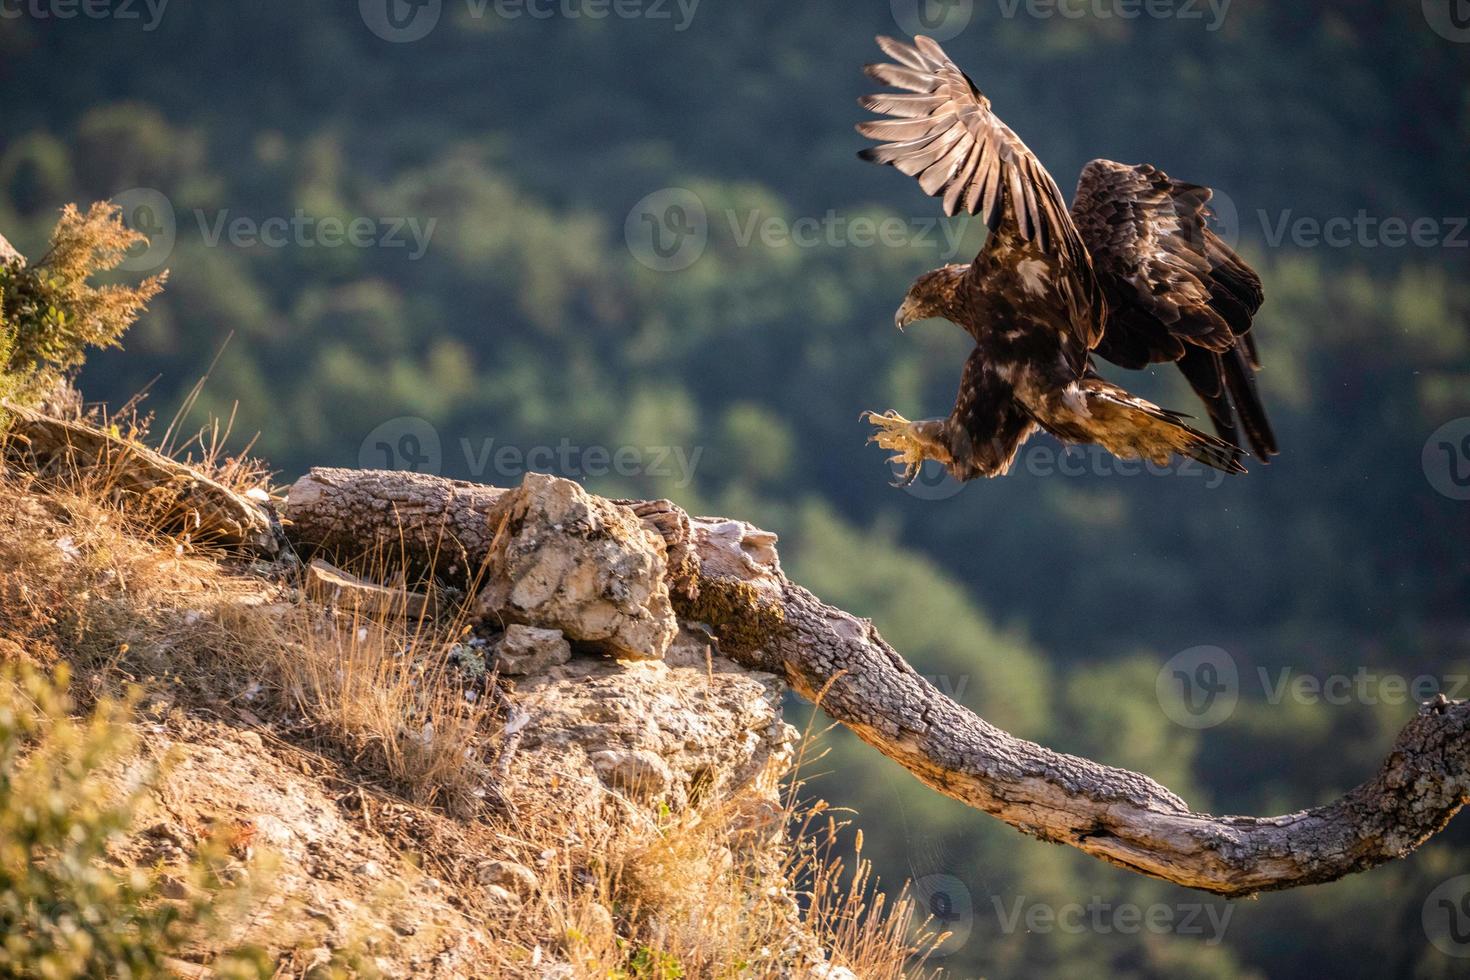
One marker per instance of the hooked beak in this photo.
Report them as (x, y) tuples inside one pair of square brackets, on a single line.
[(905, 315)]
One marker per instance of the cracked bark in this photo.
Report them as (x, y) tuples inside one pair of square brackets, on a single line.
[(767, 622), (187, 499)]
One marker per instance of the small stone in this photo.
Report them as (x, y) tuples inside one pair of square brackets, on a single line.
[(331, 585), (511, 876), (369, 869), (525, 650), (252, 740), (598, 923), (174, 888), (637, 772), (501, 898)]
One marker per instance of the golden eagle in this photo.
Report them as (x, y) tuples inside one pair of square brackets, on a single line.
[(1132, 273)]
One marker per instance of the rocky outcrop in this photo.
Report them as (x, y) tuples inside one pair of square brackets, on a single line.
[(689, 729), (580, 564)]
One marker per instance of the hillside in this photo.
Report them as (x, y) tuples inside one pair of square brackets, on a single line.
[(222, 754), (414, 787)]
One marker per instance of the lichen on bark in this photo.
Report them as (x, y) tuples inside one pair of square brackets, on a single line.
[(741, 618)]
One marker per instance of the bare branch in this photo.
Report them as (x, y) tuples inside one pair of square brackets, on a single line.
[(767, 622), (182, 497)]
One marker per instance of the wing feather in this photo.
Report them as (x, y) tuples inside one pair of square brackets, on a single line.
[(1176, 291), (942, 172), (899, 130), (902, 106), (963, 175), (908, 79), (982, 173), (904, 54)]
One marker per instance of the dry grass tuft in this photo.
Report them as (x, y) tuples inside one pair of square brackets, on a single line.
[(747, 888), (386, 691), (97, 584)]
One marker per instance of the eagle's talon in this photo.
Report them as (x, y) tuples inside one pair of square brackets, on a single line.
[(910, 443), (910, 474)]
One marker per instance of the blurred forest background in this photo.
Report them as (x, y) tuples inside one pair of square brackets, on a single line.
[(1047, 601)]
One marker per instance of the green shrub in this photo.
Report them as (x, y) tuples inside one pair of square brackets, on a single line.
[(64, 912), (50, 314)]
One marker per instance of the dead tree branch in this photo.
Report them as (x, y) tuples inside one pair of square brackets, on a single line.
[(765, 621), (177, 495)]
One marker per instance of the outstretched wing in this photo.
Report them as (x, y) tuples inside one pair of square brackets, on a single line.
[(1175, 291), (944, 133)]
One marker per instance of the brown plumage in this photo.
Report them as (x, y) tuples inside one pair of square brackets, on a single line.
[(1131, 272)]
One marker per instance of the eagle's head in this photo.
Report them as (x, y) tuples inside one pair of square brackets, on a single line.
[(934, 294)]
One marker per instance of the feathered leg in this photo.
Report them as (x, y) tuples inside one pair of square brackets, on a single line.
[(980, 438), (1094, 410)]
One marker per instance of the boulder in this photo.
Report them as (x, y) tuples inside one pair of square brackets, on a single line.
[(583, 565)]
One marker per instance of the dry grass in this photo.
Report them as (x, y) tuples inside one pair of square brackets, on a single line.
[(91, 580), (718, 894), (743, 889), (748, 888), (380, 688)]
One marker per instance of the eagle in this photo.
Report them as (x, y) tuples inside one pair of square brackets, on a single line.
[(1132, 273)]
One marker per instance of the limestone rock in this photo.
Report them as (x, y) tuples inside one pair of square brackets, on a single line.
[(501, 899), (515, 878), (580, 564), (598, 923), (682, 732), (525, 650), (637, 772), (332, 585)]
